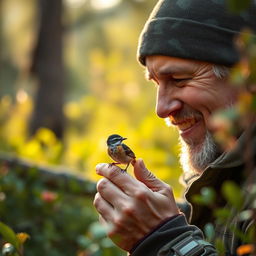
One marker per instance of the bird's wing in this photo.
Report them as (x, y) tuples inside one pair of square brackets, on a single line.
[(128, 151)]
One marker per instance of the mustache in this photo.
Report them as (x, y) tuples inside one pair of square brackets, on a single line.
[(183, 114)]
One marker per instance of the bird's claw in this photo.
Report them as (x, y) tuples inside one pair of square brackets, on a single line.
[(123, 170), (112, 164)]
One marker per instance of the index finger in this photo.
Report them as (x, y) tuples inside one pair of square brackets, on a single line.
[(121, 179)]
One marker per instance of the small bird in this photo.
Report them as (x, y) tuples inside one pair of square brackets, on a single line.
[(118, 151)]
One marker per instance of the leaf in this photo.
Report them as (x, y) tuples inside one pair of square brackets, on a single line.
[(9, 235), (243, 236), (238, 6), (222, 214), (206, 197), (106, 243), (220, 247), (233, 194), (97, 230), (239, 74), (84, 242), (209, 231), (209, 194), (245, 102)]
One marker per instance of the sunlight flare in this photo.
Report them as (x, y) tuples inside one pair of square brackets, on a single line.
[(75, 3), (103, 4)]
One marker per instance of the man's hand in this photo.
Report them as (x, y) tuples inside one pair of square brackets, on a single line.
[(132, 208)]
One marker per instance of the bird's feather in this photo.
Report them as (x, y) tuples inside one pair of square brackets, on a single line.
[(128, 151)]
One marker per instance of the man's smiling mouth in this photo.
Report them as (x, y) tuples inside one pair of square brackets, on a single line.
[(183, 124)]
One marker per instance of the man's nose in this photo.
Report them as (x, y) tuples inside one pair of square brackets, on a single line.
[(167, 104)]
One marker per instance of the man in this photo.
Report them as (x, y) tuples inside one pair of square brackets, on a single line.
[(187, 47)]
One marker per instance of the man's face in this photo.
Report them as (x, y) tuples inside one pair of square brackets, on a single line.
[(188, 93)]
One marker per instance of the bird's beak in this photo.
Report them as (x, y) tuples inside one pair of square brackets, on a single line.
[(124, 138)]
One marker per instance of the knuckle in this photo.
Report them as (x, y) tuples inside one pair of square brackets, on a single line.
[(100, 168), (128, 210), (101, 185), (141, 194), (167, 189), (113, 172), (96, 200), (118, 224)]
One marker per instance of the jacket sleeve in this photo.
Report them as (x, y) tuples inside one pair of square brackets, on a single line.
[(175, 238)]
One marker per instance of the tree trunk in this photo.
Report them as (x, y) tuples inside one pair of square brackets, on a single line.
[(1, 32), (47, 66)]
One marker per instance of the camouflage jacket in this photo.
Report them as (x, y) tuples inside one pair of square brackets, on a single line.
[(181, 236)]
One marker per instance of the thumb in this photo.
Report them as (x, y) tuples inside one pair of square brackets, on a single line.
[(148, 178)]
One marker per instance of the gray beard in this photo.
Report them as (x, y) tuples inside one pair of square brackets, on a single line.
[(194, 159)]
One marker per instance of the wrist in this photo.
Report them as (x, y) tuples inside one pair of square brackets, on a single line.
[(152, 231)]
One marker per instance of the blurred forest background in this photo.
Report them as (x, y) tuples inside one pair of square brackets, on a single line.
[(68, 79)]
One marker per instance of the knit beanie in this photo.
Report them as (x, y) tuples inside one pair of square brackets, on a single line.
[(195, 29)]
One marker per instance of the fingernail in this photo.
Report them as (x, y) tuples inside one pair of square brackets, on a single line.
[(98, 167)]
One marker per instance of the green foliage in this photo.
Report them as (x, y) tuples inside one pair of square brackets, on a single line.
[(14, 245), (236, 199), (209, 231), (58, 222), (207, 196), (9, 235), (220, 247), (222, 214), (228, 123)]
